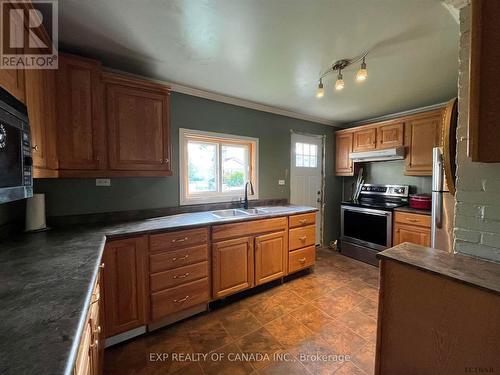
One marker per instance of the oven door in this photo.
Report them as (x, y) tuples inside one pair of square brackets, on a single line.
[(367, 227), (11, 163)]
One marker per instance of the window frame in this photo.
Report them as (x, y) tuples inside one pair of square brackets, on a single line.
[(221, 139)]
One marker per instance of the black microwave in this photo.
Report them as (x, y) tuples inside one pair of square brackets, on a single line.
[(16, 178)]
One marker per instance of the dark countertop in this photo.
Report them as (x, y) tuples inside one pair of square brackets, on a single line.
[(473, 271), (46, 282), (413, 210)]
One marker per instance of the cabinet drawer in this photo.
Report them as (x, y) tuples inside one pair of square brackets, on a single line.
[(177, 276), (226, 231), (301, 258), (177, 258), (177, 239), (302, 237), (412, 219), (302, 220), (179, 298)]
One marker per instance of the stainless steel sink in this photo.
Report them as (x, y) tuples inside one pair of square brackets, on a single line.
[(231, 213)]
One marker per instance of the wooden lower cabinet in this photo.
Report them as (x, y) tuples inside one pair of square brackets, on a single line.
[(414, 228), (91, 350), (270, 257), (125, 284), (302, 258), (232, 266)]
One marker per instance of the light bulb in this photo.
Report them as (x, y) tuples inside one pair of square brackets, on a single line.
[(320, 92), (362, 73), (339, 83)]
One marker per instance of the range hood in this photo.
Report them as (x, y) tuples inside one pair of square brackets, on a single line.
[(378, 155)]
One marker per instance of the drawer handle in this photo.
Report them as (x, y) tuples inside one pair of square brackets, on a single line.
[(94, 344), (179, 239), (181, 300), (97, 330), (181, 276), (175, 259), (302, 221), (303, 238), (412, 220), (302, 260)]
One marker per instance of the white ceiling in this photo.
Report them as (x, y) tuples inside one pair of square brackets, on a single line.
[(273, 51)]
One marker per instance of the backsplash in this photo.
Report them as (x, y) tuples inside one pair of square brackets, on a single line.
[(389, 172)]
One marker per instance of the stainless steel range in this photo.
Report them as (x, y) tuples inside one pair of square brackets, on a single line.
[(366, 224)]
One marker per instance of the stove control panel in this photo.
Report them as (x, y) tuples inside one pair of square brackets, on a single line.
[(401, 191)]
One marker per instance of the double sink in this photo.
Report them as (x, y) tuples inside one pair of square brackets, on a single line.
[(241, 212)]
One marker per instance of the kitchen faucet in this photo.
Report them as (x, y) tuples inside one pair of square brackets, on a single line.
[(245, 202)]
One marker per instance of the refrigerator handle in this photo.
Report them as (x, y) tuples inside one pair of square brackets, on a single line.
[(437, 216)]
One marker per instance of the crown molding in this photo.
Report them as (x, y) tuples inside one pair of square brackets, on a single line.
[(206, 94), (398, 114)]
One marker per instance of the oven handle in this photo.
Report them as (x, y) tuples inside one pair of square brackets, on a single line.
[(366, 210)]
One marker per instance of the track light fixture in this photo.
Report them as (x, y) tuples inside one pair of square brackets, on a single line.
[(340, 65), (320, 92)]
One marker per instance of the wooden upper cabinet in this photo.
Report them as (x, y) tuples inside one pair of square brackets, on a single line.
[(80, 127), (12, 80), (484, 95), (390, 135), (343, 164), (271, 253), (40, 100), (232, 266), (422, 133), (125, 273), (365, 139), (138, 124)]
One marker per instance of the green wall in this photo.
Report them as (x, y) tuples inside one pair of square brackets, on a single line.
[(81, 196)]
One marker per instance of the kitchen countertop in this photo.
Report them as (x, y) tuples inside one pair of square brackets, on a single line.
[(413, 210), (466, 269), (46, 282)]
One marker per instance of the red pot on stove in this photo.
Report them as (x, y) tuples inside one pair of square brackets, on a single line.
[(421, 201)]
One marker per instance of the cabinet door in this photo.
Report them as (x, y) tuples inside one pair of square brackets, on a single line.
[(125, 295), (365, 140), (232, 266), (40, 100), (80, 128), (390, 135), (271, 251), (413, 234), (422, 135), (343, 164), (138, 128), (12, 80)]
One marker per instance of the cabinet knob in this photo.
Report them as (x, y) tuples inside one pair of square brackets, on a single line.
[(101, 266), (94, 344), (302, 260), (34, 148), (303, 238), (97, 330)]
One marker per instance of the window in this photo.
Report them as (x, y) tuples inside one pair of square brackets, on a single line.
[(306, 155), (215, 167)]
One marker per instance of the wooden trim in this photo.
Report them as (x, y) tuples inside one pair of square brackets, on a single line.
[(76, 173), (131, 81), (474, 79)]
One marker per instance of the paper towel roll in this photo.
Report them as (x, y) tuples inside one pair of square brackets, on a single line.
[(35, 213)]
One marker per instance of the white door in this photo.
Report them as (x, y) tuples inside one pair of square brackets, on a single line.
[(305, 175)]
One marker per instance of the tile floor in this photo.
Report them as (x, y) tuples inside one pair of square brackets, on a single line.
[(331, 311)]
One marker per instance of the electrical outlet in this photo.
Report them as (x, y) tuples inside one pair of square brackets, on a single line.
[(102, 182), (281, 182)]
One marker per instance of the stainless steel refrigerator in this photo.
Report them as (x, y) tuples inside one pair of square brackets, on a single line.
[(443, 205)]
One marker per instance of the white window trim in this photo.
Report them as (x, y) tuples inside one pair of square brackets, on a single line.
[(211, 197)]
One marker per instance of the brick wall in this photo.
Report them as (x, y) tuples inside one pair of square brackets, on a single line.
[(477, 213)]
